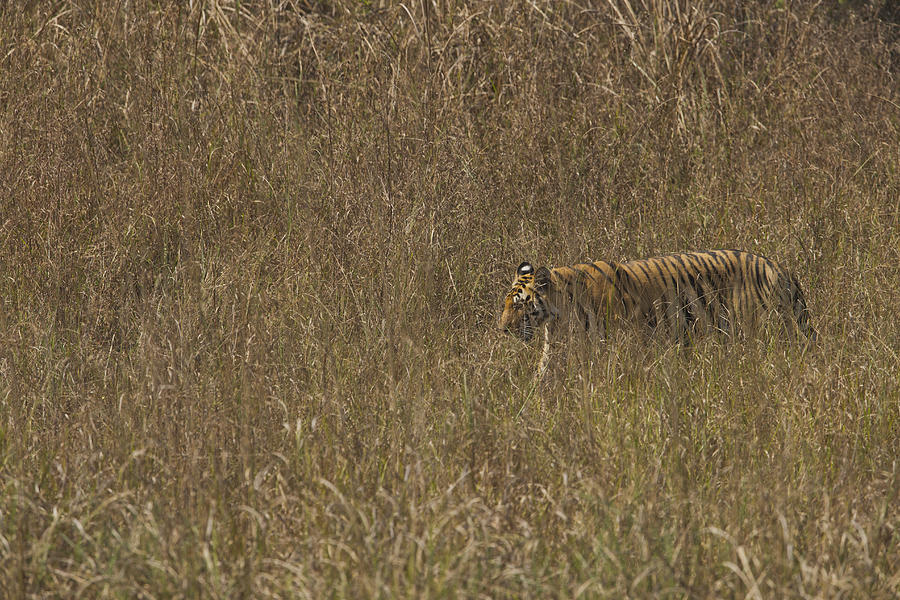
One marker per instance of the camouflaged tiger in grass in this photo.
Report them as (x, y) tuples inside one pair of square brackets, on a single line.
[(680, 295)]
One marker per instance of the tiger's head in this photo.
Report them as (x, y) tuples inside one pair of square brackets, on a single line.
[(527, 305)]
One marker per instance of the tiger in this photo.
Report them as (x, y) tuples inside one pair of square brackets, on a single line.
[(678, 295)]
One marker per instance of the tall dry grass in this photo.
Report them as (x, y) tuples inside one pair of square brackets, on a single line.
[(251, 254)]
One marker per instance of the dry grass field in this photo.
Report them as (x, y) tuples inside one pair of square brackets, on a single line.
[(252, 254)]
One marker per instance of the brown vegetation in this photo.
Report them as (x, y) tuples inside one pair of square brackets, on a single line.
[(251, 254)]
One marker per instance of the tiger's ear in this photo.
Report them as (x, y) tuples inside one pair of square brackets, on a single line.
[(524, 269), (542, 279)]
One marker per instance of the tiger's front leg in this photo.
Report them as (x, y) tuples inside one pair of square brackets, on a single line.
[(550, 327), (545, 354)]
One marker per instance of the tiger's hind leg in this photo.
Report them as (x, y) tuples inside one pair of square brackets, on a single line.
[(791, 305), (801, 311)]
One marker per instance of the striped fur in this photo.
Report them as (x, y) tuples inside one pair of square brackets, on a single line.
[(678, 295)]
